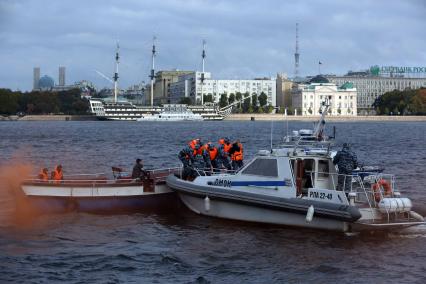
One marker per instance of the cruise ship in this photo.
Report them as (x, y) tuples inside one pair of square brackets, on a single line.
[(124, 110)]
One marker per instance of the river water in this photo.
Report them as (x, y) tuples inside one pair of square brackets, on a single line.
[(180, 246)]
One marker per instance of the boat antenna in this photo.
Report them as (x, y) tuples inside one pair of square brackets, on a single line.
[(152, 76), (203, 56), (117, 61)]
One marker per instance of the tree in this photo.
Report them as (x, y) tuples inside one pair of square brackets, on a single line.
[(9, 101), (208, 98), (231, 98), (263, 99), (185, 101), (254, 101), (223, 101), (238, 97), (246, 102)]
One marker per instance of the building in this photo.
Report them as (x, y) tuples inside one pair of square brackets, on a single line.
[(284, 87), (61, 76), (307, 98), (162, 82), (189, 85), (36, 77), (376, 81)]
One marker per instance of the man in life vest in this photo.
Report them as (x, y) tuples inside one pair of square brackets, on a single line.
[(201, 162), (223, 154), (213, 154), (44, 174), (346, 161), (57, 174), (194, 142), (186, 156), (237, 155)]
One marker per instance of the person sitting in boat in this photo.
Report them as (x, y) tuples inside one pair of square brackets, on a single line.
[(346, 161), (57, 174), (186, 156), (44, 174), (223, 154), (138, 172), (236, 153), (201, 162)]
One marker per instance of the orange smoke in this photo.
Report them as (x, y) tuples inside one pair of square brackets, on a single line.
[(14, 208)]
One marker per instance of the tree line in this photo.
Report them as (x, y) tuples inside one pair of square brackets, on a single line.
[(407, 102), (40, 102), (247, 104)]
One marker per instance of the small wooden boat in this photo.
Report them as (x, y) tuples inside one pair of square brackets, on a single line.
[(96, 193)]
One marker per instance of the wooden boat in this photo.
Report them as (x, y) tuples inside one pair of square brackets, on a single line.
[(97, 193)]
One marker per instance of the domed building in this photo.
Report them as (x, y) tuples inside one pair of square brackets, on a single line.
[(308, 97), (46, 83)]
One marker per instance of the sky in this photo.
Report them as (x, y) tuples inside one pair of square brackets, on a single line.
[(245, 39)]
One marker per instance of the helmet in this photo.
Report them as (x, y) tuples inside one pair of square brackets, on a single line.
[(197, 146), (226, 139), (210, 145)]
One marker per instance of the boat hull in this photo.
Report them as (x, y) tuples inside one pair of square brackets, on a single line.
[(54, 198), (236, 211), (105, 204)]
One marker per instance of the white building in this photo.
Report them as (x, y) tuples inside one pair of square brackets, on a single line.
[(190, 86), (307, 98), (372, 83)]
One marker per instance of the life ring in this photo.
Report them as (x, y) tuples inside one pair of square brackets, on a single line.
[(386, 187)]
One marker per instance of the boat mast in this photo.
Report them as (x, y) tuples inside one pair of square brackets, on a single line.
[(152, 76), (319, 128), (203, 56), (117, 58)]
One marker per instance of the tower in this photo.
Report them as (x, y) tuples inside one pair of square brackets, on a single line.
[(61, 76), (203, 56), (36, 78), (296, 54), (117, 58), (152, 76)]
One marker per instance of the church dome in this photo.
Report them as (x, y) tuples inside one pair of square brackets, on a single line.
[(46, 82)]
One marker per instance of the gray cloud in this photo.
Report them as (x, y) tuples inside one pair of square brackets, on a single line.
[(245, 39)]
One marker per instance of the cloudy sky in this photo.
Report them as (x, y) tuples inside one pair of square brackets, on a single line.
[(245, 39)]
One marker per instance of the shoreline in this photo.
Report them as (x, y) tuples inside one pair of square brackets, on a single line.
[(232, 117), (281, 117), (53, 117)]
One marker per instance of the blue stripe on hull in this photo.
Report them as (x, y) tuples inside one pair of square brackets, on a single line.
[(258, 183), (104, 204)]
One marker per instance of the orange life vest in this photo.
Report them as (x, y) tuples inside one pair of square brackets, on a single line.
[(238, 155), (192, 144), (198, 152), (227, 147), (43, 176), (58, 175), (213, 153)]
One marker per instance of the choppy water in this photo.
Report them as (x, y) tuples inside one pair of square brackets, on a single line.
[(180, 246)]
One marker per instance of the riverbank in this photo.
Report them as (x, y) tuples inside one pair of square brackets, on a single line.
[(247, 116), (48, 118)]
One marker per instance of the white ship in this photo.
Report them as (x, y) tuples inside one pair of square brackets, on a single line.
[(128, 111), (173, 112)]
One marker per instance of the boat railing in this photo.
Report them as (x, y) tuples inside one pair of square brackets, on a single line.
[(369, 190), (212, 171)]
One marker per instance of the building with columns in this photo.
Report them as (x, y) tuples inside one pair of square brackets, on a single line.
[(307, 98)]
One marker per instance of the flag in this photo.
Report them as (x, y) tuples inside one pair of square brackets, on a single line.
[(319, 62)]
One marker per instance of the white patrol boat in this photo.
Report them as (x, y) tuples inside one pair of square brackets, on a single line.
[(297, 186)]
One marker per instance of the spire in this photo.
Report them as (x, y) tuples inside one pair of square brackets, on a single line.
[(117, 61), (152, 76), (296, 54)]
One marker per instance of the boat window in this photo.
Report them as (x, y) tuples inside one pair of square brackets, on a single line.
[(323, 170), (262, 167)]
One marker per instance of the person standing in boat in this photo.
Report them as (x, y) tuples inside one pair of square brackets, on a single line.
[(186, 156), (201, 162), (57, 174), (213, 153), (346, 161), (138, 172), (223, 154), (236, 155)]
